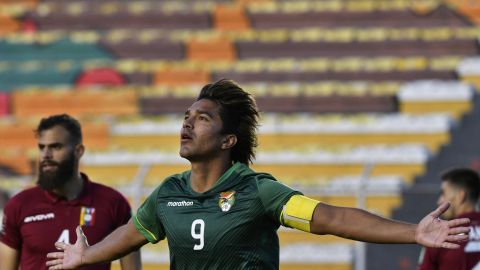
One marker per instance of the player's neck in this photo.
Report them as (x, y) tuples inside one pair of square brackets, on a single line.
[(464, 208), (72, 188), (205, 174)]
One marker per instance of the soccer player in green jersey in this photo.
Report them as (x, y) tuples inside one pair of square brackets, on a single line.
[(223, 215)]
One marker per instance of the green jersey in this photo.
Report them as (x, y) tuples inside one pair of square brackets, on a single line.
[(232, 226)]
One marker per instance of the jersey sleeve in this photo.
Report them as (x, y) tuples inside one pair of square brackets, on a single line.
[(123, 211), (146, 220), (428, 259), (274, 195), (10, 231)]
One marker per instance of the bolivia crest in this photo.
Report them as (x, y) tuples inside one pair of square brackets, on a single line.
[(227, 199)]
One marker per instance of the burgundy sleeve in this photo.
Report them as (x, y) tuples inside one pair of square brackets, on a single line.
[(429, 261), (123, 211), (10, 233)]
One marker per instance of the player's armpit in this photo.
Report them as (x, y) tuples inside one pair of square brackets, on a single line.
[(298, 212)]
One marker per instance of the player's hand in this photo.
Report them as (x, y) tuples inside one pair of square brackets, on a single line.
[(435, 232), (70, 256)]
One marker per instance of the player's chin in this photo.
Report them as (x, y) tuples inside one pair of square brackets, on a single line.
[(184, 152)]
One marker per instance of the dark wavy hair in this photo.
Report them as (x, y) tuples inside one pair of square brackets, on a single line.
[(239, 115), (64, 120), (465, 179)]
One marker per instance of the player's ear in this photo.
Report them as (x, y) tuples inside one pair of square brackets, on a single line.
[(462, 196), (229, 141), (79, 150)]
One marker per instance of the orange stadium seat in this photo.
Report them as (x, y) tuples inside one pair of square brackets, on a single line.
[(8, 25), (4, 102), (468, 8), (230, 18), (211, 50), (471, 12), (181, 77), (246, 2), (423, 7), (18, 162), (91, 102), (24, 3), (16, 136)]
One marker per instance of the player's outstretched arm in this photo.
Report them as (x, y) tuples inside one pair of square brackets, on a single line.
[(120, 242), (364, 226)]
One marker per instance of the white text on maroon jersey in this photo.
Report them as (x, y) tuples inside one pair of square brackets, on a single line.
[(39, 217)]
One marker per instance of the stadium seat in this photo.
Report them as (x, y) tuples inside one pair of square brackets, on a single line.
[(85, 102), (17, 161), (181, 77), (214, 50), (100, 77), (436, 96), (4, 104), (8, 25), (230, 18)]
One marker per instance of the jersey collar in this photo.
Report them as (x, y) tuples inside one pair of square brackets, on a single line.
[(85, 197), (237, 167)]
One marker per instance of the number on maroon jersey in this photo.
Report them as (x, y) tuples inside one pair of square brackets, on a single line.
[(64, 237)]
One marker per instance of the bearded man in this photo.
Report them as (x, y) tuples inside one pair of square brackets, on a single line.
[(63, 199)]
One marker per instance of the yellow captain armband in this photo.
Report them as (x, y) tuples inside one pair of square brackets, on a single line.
[(298, 212)]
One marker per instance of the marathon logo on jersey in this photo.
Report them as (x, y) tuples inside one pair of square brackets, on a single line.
[(39, 217), (87, 216), (227, 199), (182, 203)]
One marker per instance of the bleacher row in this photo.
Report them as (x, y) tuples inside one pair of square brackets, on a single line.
[(230, 14), (345, 88), (285, 64), (24, 75), (108, 7), (311, 33), (432, 96)]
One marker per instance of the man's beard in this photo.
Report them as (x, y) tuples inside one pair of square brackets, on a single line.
[(56, 179)]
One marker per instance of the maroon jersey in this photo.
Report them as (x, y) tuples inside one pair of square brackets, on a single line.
[(464, 258), (35, 219)]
